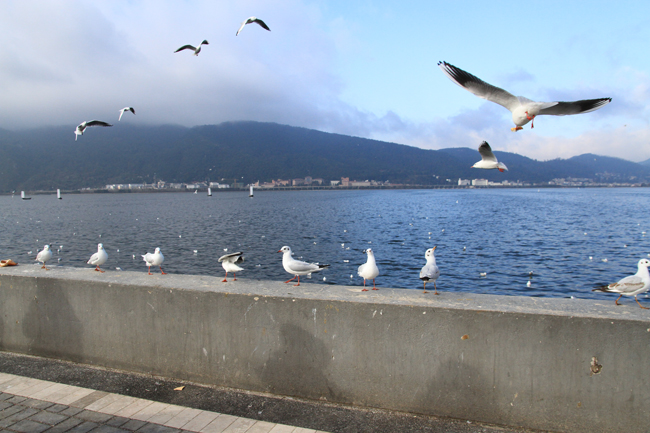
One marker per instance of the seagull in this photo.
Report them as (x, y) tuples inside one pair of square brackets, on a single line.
[(253, 20), (155, 259), (488, 160), (523, 109), (296, 267), (369, 270), (430, 271), (197, 50), (124, 110), (632, 285), (82, 127), (229, 263), (99, 258), (44, 256)]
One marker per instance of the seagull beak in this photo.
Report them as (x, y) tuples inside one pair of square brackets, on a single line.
[(279, 251), (434, 248)]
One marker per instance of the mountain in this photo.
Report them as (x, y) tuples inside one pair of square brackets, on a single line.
[(50, 158)]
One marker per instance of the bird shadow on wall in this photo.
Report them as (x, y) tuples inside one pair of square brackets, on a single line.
[(51, 325), (298, 366)]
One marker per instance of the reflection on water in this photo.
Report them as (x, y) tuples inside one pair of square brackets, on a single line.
[(507, 234)]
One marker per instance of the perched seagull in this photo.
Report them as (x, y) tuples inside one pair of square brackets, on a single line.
[(99, 258), (632, 285), (253, 20), (523, 109), (369, 270), (430, 271), (197, 50), (229, 263), (44, 256), (155, 259), (82, 127), (488, 160), (124, 110), (296, 267)]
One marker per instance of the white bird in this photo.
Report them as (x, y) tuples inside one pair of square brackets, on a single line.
[(253, 20), (523, 109), (488, 160), (297, 267), (44, 256), (155, 259), (430, 271), (99, 258), (369, 270), (632, 285), (196, 50), (82, 127), (125, 109), (229, 263)]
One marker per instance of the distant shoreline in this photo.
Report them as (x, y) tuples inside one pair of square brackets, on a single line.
[(319, 188)]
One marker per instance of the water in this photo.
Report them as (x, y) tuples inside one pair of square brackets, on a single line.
[(507, 234)]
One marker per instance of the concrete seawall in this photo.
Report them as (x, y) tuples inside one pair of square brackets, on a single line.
[(506, 360)]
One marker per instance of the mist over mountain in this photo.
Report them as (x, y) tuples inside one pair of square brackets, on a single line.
[(50, 158)]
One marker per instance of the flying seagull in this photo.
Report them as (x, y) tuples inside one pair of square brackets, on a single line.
[(297, 267), (488, 160), (124, 110), (81, 128), (253, 20), (197, 50), (523, 109), (229, 263), (632, 285)]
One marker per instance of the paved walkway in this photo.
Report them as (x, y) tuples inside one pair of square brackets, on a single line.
[(32, 405)]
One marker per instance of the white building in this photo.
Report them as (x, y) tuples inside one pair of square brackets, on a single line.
[(463, 182), (479, 182)]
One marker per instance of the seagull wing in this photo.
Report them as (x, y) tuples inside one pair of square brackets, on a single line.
[(93, 259), (486, 152), (241, 27), (186, 47), (626, 285), (430, 271), (576, 107), (97, 123), (230, 257), (298, 266), (261, 23), (479, 87)]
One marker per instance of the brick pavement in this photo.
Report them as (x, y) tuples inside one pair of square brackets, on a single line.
[(33, 406)]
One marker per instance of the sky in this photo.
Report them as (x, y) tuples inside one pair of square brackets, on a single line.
[(363, 68)]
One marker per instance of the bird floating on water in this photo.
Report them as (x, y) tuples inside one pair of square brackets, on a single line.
[(196, 50), (250, 21), (631, 286), (44, 256), (125, 109), (430, 271), (488, 160), (229, 264), (369, 270), (297, 267), (99, 258), (82, 127), (523, 109), (155, 259)]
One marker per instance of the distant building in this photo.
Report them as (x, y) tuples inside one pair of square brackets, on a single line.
[(308, 180), (298, 182), (463, 182), (335, 182), (318, 181), (479, 182)]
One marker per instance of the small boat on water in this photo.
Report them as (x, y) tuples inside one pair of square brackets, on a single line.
[(209, 192), (250, 194), (22, 195), (58, 194)]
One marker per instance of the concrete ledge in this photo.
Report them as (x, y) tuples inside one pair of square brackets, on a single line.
[(504, 360)]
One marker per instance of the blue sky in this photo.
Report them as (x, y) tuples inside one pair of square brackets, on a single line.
[(363, 68)]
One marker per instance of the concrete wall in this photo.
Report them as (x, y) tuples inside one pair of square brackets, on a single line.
[(506, 360)]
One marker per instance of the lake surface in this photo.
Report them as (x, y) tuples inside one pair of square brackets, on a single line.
[(507, 233)]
